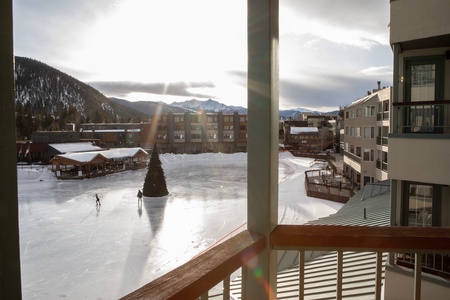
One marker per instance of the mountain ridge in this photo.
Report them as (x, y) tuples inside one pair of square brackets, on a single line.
[(48, 99)]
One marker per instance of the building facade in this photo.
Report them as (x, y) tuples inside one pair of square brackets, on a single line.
[(419, 139), (366, 125), (196, 132)]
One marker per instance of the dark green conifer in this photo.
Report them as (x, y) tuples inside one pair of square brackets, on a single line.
[(155, 181)]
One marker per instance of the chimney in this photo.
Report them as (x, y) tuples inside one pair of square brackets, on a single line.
[(379, 85)]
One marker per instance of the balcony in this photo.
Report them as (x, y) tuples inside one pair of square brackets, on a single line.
[(424, 117), (382, 141), (382, 165), (383, 116), (194, 279), (353, 157)]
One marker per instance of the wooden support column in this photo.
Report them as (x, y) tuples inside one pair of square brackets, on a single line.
[(10, 286), (262, 203)]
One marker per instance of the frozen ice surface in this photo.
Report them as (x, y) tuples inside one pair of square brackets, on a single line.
[(72, 250)]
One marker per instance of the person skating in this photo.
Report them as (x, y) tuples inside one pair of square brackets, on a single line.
[(97, 200), (139, 195)]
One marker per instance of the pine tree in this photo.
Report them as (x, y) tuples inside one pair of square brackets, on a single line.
[(155, 181)]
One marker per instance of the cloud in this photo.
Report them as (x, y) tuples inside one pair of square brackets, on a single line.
[(362, 24), (124, 88), (335, 91)]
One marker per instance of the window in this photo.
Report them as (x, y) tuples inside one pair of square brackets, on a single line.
[(178, 136), (367, 179), (358, 112), (242, 119), (228, 127), (346, 130), (358, 151), (368, 155), (369, 132), (424, 81), (196, 127), (212, 136), (179, 119), (352, 131), (228, 136), (369, 111), (346, 114), (352, 149), (420, 205), (358, 131), (195, 136)]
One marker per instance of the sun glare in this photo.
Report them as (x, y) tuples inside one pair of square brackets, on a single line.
[(164, 41)]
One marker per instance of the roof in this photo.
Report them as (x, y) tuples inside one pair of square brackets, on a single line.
[(74, 147), (362, 100), (80, 158), (320, 267), (111, 130), (123, 152), (297, 130)]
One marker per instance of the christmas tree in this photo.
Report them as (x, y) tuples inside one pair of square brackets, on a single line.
[(155, 181)]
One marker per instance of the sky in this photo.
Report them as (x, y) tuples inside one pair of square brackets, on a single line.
[(330, 54)]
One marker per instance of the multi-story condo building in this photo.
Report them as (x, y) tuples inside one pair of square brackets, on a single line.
[(175, 132), (196, 132), (112, 135), (366, 125), (419, 142)]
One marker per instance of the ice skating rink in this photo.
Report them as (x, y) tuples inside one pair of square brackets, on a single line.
[(72, 250)]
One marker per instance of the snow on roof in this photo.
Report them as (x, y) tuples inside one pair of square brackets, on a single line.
[(80, 156), (111, 130), (74, 147), (362, 100), (108, 154), (297, 130), (121, 152)]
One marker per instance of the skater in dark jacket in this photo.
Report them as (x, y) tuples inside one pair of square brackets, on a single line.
[(139, 196), (97, 200)]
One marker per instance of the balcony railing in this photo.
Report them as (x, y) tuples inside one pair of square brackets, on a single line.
[(382, 165), (381, 116), (422, 117), (353, 156), (382, 141), (193, 279)]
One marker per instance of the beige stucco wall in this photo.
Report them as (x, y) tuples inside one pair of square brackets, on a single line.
[(415, 19), (406, 159)]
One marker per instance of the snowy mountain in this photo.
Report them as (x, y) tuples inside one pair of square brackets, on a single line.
[(47, 99), (209, 106)]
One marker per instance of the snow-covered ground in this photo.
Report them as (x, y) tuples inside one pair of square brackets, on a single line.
[(72, 250)]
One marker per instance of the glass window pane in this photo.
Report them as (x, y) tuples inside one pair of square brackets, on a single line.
[(423, 82), (420, 205)]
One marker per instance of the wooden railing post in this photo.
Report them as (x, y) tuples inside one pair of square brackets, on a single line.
[(262, 203)]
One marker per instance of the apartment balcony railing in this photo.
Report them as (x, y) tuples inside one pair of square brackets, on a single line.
[(422, 117), (382, 141), (353, 156), (382, 165), (194, 279), (381, 116)]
